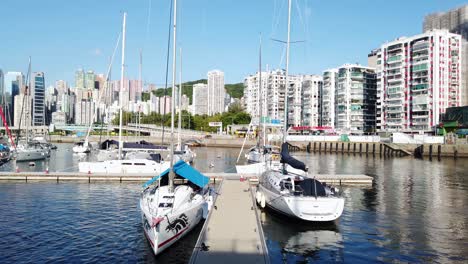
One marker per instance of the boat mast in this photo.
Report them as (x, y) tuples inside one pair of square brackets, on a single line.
[(260, 91), (141, 91), (174, 39), (122, 85), (179, 142), (28, 104), (285, 128), (286, 80)]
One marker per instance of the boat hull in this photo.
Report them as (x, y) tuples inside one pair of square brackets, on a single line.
[(308, 208), (136, 166), (31, 155), (171, 224)]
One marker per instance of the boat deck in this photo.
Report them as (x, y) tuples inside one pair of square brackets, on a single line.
[(233, 232)]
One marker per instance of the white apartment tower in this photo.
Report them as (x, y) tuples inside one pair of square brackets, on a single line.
[(456, 21), (200, 99), (328, 98), (419, 77), (253, 93), (311, 103), (355, 98), (216, 92)]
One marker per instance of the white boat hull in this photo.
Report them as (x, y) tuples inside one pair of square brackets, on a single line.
[(31, 154), (261, 167), (306, 208), (136, 166), (81, 149), (168, 225)]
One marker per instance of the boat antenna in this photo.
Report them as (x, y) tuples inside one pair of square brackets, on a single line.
[(163, 117), (174, 39), (285, 128), (122, 71)]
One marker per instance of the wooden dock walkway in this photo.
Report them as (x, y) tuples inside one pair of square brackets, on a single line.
[(233, 232), (344, 179)]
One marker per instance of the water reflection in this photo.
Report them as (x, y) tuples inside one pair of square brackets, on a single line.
[(415, 210), (299, 240)]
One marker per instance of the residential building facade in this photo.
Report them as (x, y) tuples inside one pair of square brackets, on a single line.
[(200, 99), (419, 77), (455, 21), (355, 98), (216, 92)]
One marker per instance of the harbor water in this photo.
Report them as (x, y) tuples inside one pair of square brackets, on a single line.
[(415, 211)]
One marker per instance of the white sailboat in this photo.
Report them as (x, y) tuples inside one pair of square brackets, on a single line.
[(27, 150), (169, 212), (292, 194), (120, 165)]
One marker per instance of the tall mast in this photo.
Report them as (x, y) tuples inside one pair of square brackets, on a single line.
[(122, 69), (260, 91), (28, 104), (141, 92), (174, 39), (179, 143), (285, 128)]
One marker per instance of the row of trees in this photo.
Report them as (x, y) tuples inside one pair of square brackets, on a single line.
[(235, 115)]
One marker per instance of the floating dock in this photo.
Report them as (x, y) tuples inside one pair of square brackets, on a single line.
[(343, 179), (233, 232)]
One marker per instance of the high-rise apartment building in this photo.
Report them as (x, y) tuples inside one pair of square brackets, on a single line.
[(273, 87), (89, 80), (80, 79), (84, 111), (456, 21), (419, 77), (12, 85), (355, 97), (38, 92), (327, 118), (200, 99), (216, 92), (311, 100), (253, 92)]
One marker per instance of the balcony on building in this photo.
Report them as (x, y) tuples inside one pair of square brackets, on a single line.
[(394, 59)]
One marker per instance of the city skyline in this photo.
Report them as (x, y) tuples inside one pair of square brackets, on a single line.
[(210, 37)]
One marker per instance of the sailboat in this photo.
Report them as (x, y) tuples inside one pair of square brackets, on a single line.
[(171, 211), (27, 150), (133, 166), (292, 194)]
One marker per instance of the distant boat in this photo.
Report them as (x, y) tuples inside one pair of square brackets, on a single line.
[(82, 147)]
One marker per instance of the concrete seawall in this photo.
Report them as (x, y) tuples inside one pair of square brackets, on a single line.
[(214, 141)]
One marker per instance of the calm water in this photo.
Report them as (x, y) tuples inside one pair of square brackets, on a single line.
[(415, 211)]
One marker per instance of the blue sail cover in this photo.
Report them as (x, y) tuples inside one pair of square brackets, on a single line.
[(186, 171)]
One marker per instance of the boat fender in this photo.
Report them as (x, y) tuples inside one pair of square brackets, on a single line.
[(257, 197), (262, 200)]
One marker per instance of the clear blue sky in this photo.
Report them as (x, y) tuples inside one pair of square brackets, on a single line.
[(62, 36)]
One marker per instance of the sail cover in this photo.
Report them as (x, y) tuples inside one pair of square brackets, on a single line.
[(186, 171), (288, 159)]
